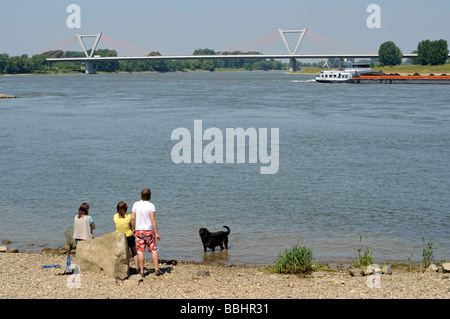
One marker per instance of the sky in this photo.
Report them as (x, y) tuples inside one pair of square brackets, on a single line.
[(178, 27)]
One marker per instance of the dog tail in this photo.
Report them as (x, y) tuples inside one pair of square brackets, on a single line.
[(228, 229)]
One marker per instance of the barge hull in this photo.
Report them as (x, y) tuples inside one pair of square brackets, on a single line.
[(401, 80)]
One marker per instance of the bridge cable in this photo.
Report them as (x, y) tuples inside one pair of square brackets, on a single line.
[(129, 46), (340, 43), (54, 45), (268, 42), (249, 44), (66, 45), (319, 47), (322, 42), (116, 47)]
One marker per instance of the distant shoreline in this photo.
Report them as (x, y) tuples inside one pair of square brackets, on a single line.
[(143, 72), (400, 69)]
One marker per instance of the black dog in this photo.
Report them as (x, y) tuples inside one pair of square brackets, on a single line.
[(211, 240)]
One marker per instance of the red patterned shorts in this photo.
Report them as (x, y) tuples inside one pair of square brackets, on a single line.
[(145, 238)]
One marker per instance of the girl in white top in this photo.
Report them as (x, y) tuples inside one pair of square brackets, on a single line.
[(83, 224)]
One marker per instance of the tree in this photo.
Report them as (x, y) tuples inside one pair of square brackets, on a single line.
[(204, 52), (432, 52), (37, 63), (205, 64), (333, 62), (423, 52), (3, 60), (106, 66), (390, 54), (17, 64)]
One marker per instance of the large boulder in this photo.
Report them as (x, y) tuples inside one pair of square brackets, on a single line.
[(446, 267), (107, 254)]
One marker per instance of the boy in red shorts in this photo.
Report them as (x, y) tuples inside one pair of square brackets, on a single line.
[(143, 225)]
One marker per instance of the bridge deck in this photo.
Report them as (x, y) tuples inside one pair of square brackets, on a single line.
[(259, 56)]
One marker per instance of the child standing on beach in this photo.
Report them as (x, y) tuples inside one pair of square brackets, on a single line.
[(83, 224), (143, 224), (123, 223)]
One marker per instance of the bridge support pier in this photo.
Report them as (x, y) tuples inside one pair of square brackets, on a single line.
[(292, 64), (90, 68)]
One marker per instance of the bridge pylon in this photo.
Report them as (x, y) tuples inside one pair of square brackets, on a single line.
[(89, 65), (292, 61)]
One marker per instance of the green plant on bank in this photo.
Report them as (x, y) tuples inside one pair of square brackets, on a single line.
[(411, 265), (297, 260), (428, 252), (68, 235), (364, 256)]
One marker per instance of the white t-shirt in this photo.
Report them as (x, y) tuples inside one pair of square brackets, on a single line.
[(143, 209)]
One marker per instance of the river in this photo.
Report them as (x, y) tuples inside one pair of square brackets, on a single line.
[(357, 164)]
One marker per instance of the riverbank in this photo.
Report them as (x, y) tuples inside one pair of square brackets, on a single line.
[(400, 69), (23, 277), (218, 70)]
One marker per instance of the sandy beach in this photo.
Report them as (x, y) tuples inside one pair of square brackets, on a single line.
[(23, 277)]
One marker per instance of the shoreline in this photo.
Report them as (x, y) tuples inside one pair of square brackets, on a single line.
[(400, 69), (24, 278), (141, 72), (391, 257)]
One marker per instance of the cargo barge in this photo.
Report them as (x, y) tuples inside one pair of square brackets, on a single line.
[(364, 75), (401, 79)]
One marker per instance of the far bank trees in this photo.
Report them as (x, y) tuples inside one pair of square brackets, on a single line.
[(432, 52), (390, 54)]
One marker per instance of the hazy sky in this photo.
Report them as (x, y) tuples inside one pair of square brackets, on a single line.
[(181, 26)]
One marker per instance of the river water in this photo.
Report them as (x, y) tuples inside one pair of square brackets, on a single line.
[(357, 164)]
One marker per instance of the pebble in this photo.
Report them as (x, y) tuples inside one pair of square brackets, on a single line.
[(22, 276)]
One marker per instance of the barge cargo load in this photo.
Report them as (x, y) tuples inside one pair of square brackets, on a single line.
[(364, 75)]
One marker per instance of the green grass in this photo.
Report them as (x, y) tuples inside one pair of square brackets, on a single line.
[(428, 251), (68, 235), (364, 257), (420, 69), (297, 260)]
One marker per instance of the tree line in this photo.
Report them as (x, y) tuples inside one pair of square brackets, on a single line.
[(38, 64), (428, 53)]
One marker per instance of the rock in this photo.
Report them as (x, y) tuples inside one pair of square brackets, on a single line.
[(3, 249), (203, 273), (4, 96), (318, 274), (133, 281), (7, 242), (356, 272), (386, 270), (368, 271), (431, 268), (12, 250), (446, 267), (107, 254)]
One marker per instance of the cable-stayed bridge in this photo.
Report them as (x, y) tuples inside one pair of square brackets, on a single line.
[(122, 51)]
